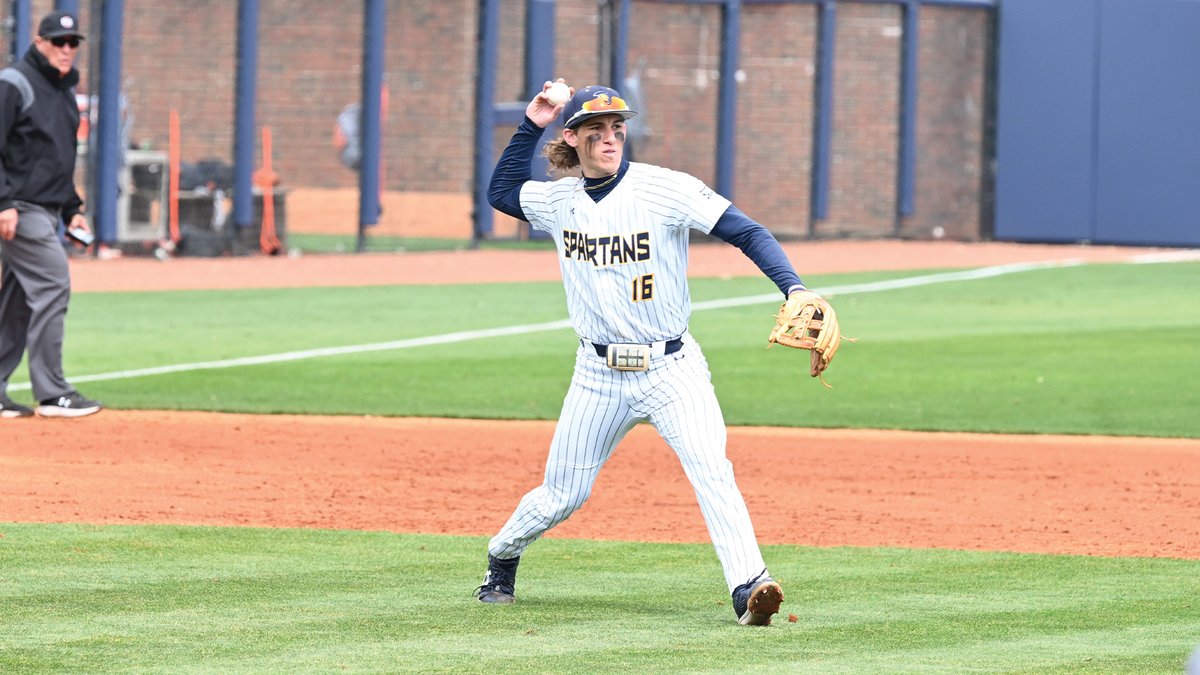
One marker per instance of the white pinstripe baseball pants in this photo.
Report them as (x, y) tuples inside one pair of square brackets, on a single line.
[(601, 406)]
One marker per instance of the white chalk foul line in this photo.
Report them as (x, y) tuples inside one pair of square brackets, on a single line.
[(893, 284), (447, 338), (465, 336), (1186, 255)]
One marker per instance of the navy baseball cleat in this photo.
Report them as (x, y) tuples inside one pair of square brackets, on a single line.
[(756, 600), (499, 584)]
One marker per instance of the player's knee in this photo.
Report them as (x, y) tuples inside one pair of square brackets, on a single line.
[(563, 505)]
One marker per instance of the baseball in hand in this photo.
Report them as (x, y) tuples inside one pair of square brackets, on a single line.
[(558, 93)]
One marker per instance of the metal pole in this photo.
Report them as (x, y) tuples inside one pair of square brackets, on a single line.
[(539, 45), (485, 104), (620, 50), (21, 19), (907, 155), (539, 67), (823, 124), (244, 113), (374, 36), (727, 101), (618, 65), (108, 133)]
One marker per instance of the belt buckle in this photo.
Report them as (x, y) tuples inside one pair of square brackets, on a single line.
[(629, 357)]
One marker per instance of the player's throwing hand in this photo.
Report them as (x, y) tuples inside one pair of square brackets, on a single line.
[(542, 110)]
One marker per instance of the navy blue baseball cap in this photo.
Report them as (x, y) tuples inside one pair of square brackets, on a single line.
[(594, 101), (59, 24)]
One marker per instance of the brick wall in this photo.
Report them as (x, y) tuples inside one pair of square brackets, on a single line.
[(181, 55), (951, 167), (775, 130)]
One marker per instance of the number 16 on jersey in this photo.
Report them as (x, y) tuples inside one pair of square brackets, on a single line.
[(643, 287)]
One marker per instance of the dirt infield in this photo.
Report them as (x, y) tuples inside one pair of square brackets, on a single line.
[(1083, 495), (826, 257), (1098, 496)]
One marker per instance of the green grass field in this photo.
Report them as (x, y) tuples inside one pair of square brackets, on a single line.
[(1097, 349), (170, 599)]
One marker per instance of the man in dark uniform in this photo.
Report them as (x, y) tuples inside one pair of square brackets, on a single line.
[(38, 121)]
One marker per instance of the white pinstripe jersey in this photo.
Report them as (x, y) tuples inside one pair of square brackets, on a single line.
[(624, 259)]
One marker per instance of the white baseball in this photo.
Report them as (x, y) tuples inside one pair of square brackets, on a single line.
[(558, 93)]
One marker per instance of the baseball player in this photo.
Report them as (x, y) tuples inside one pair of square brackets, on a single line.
[(621, 230)]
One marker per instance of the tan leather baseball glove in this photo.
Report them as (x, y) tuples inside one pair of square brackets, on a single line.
[(807, 321)]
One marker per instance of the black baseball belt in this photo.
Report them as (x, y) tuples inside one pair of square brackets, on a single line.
[(670, 347)]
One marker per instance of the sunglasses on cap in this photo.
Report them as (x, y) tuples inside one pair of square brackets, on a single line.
[(67, 40)]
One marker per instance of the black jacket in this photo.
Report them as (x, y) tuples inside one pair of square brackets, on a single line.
[(37, 160)]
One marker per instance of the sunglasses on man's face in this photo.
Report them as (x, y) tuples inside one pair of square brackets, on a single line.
[(62, 41)]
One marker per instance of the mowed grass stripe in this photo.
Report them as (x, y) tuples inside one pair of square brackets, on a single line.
[(1101, 651), (174, 599), (964, 356), (477, 333)]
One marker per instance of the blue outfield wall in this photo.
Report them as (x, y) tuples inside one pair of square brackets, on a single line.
[(1097, 124), (1148, 176)]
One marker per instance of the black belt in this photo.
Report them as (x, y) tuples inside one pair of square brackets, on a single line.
[(671, 347)]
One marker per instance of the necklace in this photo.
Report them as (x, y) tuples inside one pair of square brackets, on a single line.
[(600, 185)]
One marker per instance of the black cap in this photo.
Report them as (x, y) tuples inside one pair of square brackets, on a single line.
[(59, 24)]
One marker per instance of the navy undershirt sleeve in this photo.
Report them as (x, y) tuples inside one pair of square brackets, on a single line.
[(760, 246), (512, 170)]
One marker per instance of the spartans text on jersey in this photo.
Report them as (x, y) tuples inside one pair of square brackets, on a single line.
[(611, 249)]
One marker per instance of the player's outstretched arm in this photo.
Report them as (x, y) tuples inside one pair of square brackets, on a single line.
[(760, 246)]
